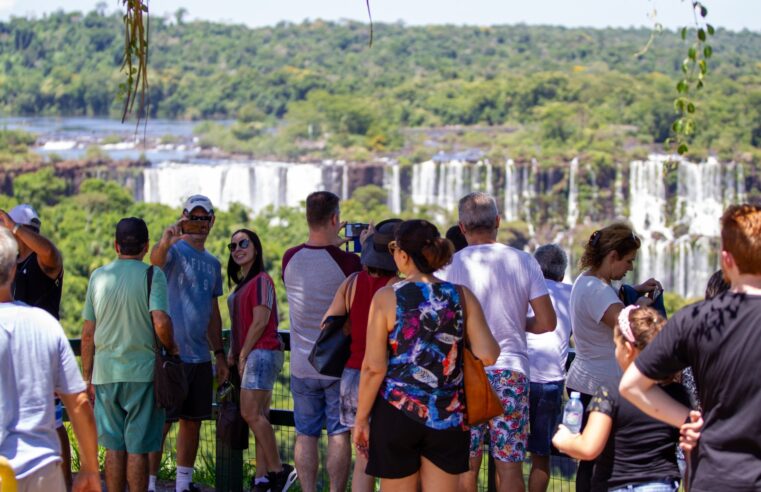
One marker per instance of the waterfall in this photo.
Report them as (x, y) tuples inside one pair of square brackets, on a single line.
[(647, 203), (700, 198), (512, 191), (573, 194), (253, 184), (618, 193), (392, 185), (423, 190)]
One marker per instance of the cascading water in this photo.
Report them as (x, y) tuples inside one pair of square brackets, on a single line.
[(678, 223), (573, 194), (512, 191)]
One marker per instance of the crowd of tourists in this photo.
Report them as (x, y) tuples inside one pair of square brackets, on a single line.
[(666, 402)]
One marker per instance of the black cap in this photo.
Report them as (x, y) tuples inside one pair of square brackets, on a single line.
[(131, 231)]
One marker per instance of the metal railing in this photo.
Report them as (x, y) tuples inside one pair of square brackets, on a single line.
[(229, 464)]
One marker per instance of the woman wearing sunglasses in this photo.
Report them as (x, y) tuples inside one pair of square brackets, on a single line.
[(411, 380), (257, 351)]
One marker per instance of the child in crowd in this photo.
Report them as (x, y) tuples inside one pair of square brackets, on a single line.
[(633, 451)]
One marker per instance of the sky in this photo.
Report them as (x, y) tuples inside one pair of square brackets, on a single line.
[(672, 14)]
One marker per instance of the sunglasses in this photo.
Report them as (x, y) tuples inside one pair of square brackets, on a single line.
[(242, 244), (204, 218), (392, 246)]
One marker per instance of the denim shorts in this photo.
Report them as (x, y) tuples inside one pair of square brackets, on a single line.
[(545, 406), (316, 403), (349, 396), (262, 368), (668, 485)]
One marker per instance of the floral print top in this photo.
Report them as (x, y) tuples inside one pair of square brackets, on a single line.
[(424, 377)]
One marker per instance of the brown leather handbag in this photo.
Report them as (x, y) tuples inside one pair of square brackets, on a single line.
[(481, 401)]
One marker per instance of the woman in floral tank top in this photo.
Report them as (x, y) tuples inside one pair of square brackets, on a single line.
[(411, 380)]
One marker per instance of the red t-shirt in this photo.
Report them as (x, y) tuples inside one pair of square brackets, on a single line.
[(259, 291), (365, 288)]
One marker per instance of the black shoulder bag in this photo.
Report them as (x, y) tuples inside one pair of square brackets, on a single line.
[(333, 347), (170, 386)]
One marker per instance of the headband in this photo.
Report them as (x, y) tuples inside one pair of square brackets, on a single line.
[(623, 323)]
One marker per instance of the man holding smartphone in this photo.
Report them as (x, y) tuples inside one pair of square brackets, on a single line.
[(194, 278)]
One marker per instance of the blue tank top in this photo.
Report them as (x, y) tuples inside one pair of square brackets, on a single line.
[(424, 376)]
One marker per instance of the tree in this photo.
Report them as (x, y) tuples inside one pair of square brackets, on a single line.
[(39, 188)]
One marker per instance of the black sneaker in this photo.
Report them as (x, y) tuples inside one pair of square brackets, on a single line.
[(281, 481)]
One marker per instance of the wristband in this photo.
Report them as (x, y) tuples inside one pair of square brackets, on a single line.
[(219, 352), (15, 228)]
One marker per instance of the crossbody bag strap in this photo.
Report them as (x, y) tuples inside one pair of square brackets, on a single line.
[(149, 280)]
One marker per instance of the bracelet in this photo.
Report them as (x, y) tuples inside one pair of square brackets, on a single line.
[(219, 352), (15, 228)]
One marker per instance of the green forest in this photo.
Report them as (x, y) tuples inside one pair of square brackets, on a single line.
[(317, 90)]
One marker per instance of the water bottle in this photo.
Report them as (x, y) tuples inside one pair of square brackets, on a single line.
[(573, 413)]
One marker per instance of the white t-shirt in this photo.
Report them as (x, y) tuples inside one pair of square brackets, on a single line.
[(595, 363), (36, 360), (547, 352), (503, 280)]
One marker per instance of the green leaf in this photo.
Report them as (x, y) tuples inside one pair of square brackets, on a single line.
[(690, 108), (701, 34), (686, 65), (682, 149), (707, 51), (699, 85), (703, 66), (692, 53), (679, 105), (682, 87), (684, 33), (703, 11), (710, 29)]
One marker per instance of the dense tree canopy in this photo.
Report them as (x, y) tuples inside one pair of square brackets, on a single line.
[(315, 89)]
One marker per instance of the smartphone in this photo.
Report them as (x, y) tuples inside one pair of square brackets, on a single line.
[(657, 293), (195, 227), (354, 229)]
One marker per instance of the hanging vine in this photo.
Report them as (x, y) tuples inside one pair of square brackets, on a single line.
[(135, 58), (694, 71)]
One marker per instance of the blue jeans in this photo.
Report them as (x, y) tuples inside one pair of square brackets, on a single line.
[(654, 486), (316, 402), (545, 406)]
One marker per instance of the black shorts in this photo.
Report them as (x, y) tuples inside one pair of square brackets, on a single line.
[(397, 443), (197, 405)]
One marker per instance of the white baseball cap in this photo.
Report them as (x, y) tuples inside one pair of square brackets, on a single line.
[(25, 214), (196, 201)]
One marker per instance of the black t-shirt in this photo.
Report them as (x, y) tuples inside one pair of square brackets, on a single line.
[(35, 288), (640, 448), (721, 340)]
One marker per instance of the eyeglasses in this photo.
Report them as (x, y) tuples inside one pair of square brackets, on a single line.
[(242, 244), (392, 247), (204, 218)]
